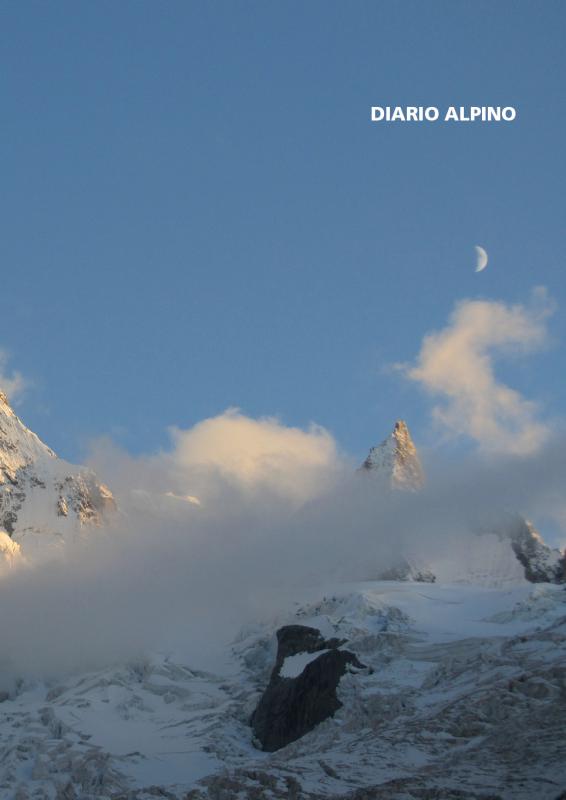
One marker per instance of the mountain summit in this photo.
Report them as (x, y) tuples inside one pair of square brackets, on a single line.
[(43, 499), (397, 458)]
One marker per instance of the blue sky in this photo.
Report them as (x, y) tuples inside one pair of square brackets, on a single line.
[(197, 213)]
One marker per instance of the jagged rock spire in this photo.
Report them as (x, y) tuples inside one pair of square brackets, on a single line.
[(397, 458)]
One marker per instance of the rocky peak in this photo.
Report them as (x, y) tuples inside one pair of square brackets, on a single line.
[(397, 459)]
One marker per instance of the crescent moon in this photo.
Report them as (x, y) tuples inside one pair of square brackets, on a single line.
[(481, 258)]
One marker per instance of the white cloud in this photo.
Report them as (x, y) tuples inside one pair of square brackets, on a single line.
[(250, 460), (457, 364), (254, 453)]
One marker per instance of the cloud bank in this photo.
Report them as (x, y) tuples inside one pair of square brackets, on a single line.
[(456, 364)]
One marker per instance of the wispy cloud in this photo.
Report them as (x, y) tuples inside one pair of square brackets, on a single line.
[(456, 364), (13, 384)]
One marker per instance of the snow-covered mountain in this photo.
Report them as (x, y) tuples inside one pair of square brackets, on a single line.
[(397, 459), (454, 690), (44, 501)]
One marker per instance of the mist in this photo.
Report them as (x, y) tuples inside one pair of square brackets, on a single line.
[(179, 575)]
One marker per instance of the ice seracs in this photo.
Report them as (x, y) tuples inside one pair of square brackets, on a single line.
[(44, 501), (397, 459)]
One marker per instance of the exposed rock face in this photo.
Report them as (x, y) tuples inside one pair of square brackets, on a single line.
[(43, 499), (397, 459), (541, 563), (404, 570), (290, 707)]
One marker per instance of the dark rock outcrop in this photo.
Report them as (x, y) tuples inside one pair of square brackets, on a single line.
[(294, 639), (291, 707)]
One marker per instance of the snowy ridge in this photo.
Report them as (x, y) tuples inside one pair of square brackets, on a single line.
[(19, 447)]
